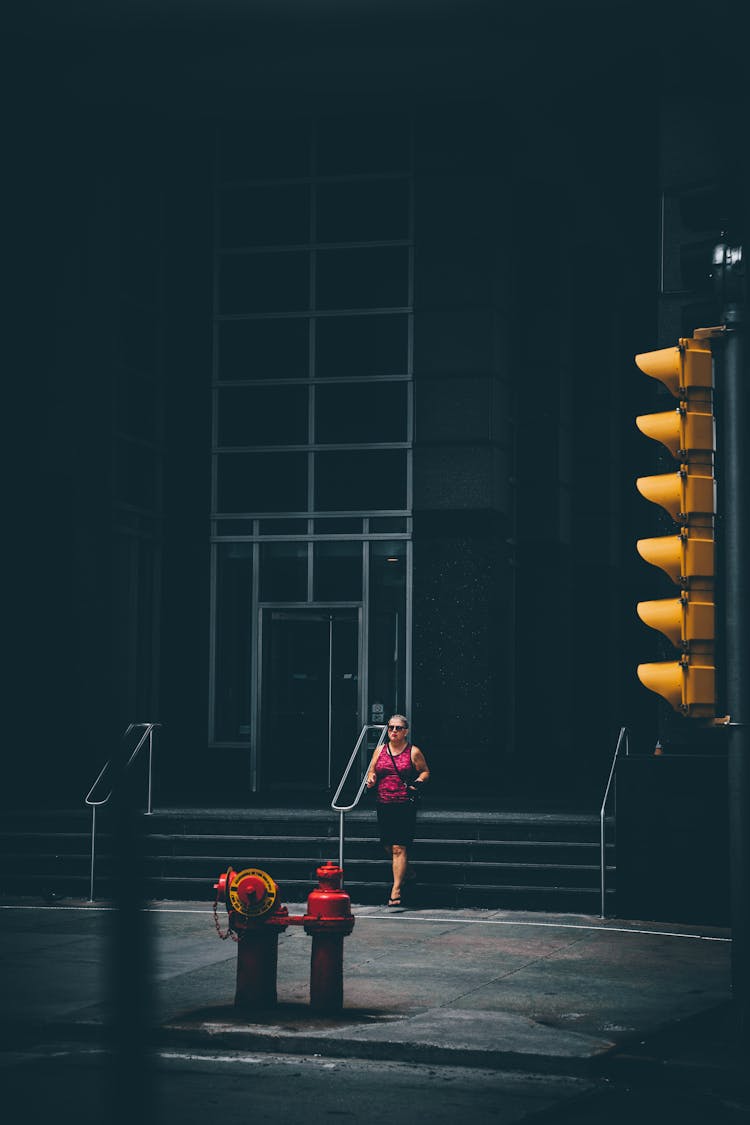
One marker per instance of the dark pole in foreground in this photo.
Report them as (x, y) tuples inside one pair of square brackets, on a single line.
[(734, 506), (132, 1088)]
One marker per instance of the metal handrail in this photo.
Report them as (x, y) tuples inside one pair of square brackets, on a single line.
[(342, 810), (148, 733), (623, 737)]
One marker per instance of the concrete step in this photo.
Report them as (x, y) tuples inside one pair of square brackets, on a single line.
[(499, 859), (284, 868), (361, 823), (226, 849), (562, 899)]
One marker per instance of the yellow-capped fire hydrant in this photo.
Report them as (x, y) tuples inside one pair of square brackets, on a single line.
[(255, 920)]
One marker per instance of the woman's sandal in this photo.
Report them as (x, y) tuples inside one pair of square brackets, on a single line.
[(394, 902)]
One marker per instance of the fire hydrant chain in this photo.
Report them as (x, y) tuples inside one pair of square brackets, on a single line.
[(230, 932)]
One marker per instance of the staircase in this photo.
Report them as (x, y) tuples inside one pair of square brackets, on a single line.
[(506, 859)]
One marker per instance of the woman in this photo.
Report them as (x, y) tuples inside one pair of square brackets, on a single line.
[(397, 769)]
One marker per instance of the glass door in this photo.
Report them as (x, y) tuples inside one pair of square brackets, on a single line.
[(309, 696)]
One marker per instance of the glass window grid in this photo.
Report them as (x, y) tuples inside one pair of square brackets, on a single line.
[(311, 448), (255, 533), (313, 315)]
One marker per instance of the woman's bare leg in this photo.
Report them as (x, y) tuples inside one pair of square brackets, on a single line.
[(400, 862)]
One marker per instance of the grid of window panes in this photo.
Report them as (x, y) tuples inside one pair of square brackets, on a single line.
[(312, 397), (313, 294)]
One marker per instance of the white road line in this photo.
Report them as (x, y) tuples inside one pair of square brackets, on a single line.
[(555, 926), (604, 928)]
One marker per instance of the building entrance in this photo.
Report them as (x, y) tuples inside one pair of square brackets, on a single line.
[(310, 698)]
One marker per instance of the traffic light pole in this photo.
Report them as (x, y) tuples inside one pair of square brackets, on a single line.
[(733, 394)]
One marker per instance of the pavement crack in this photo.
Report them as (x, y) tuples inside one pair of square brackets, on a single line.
[(513, 972)]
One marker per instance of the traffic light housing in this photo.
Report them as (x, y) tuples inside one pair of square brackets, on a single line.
[(688, 494)]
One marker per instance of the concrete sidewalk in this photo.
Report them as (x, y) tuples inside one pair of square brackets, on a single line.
[(541, 993)]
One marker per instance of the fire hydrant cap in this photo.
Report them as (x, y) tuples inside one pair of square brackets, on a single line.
[(329, 870), (328, 906), (251, 888)]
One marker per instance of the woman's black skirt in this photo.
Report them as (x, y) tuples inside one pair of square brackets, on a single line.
[(396, 821)]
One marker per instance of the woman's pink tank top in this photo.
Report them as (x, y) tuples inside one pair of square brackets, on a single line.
[(390, 787)]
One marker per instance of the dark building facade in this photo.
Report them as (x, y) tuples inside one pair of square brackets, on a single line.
[(326, 390)]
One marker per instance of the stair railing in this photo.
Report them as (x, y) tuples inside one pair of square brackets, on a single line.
[(622, 740), (342, 810), (96, 802)]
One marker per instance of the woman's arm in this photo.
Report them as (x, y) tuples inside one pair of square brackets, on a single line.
[(420, 764)]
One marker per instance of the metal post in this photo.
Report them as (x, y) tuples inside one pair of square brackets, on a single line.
[(150, 765), (624, 739), (734, 545), (93, 845), (341, 843), (330, 702), (602, 864), (602, 819)]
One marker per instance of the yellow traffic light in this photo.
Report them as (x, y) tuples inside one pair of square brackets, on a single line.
[(688, 366), (682, 431), (683, 494), (689, 496), (688, 687), (680, 556), (682, 620)]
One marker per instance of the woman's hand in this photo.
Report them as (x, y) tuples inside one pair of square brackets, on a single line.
[(371, 779)]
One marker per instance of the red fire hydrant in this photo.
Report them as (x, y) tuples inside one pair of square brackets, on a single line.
[(328, 920), (255, 922)]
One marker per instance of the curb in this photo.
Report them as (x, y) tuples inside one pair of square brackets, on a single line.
[(382, 1051), (210, 1035)]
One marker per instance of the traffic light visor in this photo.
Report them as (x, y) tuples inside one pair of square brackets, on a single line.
[(664, 678), (664, 427), (664, 489), (664, 365), (665, 615), (665, 551)]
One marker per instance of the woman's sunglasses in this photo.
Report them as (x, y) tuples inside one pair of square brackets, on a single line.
[(395, 727)]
